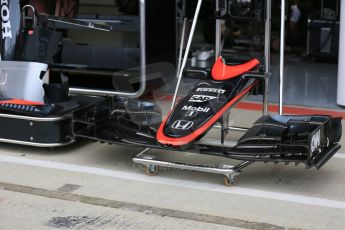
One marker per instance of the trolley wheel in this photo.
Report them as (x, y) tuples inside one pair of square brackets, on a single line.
[(150, 170), (229, 181)]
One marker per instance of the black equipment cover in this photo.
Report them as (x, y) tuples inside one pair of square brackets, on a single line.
[(10, 28), (39, 43)]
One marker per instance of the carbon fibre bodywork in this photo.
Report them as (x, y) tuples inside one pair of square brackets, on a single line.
[(308, 139)]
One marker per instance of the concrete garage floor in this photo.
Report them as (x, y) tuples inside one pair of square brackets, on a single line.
[(96, 186)]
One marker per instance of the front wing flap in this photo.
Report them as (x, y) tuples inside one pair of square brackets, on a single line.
[(311, 140)]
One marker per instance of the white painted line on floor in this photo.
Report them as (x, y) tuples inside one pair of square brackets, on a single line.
[(299, 199), (339, 156)]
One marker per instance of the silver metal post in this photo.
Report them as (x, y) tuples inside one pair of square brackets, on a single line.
[(282, 49), (341, 60), (142, 152), (181, 46), (190, 38), (218, 38), (308, 37), (267, 54)]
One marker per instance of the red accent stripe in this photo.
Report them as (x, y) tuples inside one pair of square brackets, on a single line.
[(163, 139), (21, 102), (273, 108), (221, 71)]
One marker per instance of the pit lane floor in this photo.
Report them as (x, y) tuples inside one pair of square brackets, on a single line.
[(96, 186)]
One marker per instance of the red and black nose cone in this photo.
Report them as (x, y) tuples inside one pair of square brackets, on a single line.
[(205, 104)]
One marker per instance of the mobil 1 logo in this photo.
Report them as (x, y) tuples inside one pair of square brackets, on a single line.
[(195, 109)]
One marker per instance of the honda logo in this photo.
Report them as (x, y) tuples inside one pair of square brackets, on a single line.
[(182, 124)]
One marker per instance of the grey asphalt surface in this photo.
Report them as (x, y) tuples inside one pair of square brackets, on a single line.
[(99, 187)]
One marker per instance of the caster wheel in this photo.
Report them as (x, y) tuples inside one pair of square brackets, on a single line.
[(229, 181), (151, 170)]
